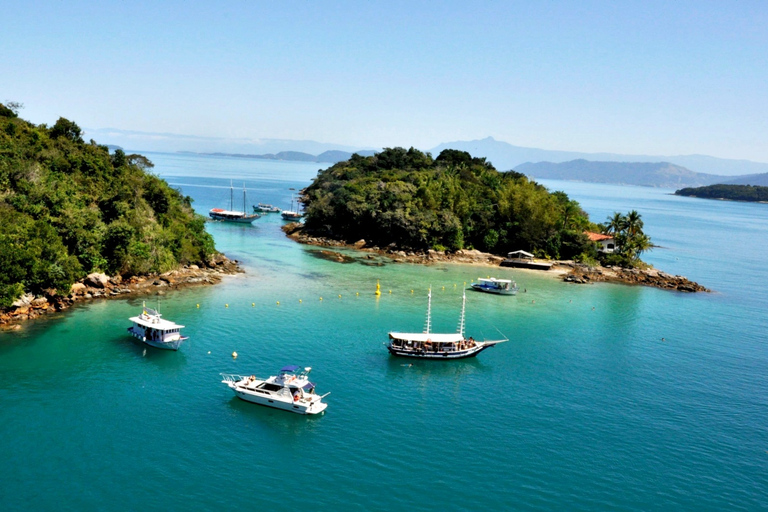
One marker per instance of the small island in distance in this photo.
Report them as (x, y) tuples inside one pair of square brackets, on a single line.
[(751, 193)]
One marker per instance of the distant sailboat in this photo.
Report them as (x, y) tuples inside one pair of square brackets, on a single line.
[(232, 215), (292, 214)]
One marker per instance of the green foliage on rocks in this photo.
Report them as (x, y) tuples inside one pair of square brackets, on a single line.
[(409, 199), (69, 208)]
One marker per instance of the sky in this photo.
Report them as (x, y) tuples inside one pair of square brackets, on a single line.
[(646, 77)]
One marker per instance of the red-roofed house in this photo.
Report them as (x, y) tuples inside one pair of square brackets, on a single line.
[(607, 243)]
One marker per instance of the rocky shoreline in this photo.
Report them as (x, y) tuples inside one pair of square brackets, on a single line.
[(570, 271), (101, 286)]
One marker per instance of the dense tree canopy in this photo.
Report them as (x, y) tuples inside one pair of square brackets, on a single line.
[(68, 208), (407, 198), (732, 192)]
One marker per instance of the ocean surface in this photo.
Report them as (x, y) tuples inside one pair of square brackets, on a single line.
[(606, 397)]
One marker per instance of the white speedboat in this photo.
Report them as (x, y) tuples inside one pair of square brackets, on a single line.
[(429, 345), (497, 286), (266, 208), (290, 390), (153, 330), (233, 215)]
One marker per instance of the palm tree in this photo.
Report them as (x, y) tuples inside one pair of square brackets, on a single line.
[(634, 224), (616, 224)]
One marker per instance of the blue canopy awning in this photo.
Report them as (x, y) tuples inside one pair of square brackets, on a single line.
[(289, 368)]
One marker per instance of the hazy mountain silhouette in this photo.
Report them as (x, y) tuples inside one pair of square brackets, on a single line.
[(505, 156), (658, 174)]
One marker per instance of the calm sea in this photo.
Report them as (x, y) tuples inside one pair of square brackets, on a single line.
[(606, 397)]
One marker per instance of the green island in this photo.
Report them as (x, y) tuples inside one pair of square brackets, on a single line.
[(69, 208), (751, 193), (410, 200)]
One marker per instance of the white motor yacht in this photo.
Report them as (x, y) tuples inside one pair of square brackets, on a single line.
[(290, 390), (497, 286), (153, 330)]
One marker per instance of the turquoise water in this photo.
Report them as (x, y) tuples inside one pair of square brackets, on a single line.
[(585, 408)]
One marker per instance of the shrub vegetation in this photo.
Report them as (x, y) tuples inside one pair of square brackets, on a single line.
[(68, 208)]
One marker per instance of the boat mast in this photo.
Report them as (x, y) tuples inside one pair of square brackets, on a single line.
[(429, 312), (231, 197), (461, 320), (243, 198)]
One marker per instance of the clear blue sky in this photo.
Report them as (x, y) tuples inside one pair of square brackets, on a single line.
[(628, 77)]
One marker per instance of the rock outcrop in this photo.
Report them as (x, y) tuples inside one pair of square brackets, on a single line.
[(102, 286), (582, 274)]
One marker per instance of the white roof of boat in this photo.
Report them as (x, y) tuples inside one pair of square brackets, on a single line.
[(494, 280), (424, 336), (155, 322), (219, 211)]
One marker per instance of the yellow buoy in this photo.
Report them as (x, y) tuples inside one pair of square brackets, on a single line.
[(234, 355), (278, 303), (339, 295), (390, 291), (253, 304), (198, 306), (411, 291), (357, 293), (321, 298), (226, 305), (378, 288), (299, 301)]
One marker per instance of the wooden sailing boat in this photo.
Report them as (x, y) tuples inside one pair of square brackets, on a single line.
[(429, 345), (232, 215)]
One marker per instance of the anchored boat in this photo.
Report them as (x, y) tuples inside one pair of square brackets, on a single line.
[(290, 390), (429, 345), (266, 208), (232, 215), (497, 286), (292, 214), (153, 330)]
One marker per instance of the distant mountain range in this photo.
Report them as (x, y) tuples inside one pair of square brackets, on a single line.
[(659, 174), (505, 156), (136, 141), (659, 171), (332, 156)]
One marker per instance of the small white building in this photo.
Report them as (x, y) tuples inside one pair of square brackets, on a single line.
[(606, 242)]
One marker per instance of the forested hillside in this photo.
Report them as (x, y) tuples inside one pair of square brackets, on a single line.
[(730, 192), (410, 199), (68, 208)]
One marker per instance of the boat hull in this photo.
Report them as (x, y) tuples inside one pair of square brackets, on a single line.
[(478, 288), (277, 400), (237, 220), (166, 345), (441, 356)]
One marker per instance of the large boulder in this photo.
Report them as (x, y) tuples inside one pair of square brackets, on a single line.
[(24, 300), (77, 289), (97, 280)]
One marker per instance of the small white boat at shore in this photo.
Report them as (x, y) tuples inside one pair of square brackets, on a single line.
[(290, 390), (429, 345), (497, 286), (153, 330)]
